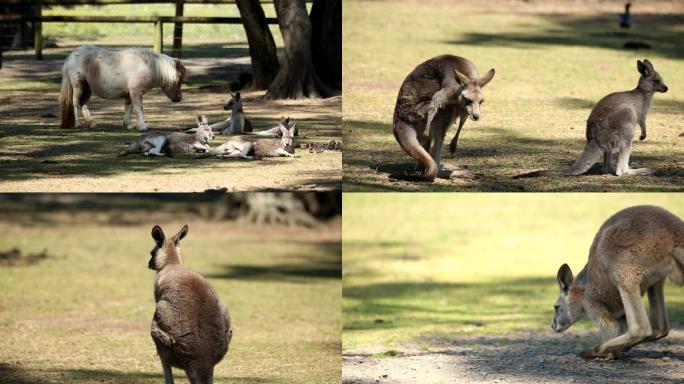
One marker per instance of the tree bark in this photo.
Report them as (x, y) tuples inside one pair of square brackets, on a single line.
[(262, 49), (326, 41), (297, 77)]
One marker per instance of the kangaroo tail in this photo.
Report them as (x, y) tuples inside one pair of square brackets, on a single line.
[(590, 155), (409, 142), (66, 101)]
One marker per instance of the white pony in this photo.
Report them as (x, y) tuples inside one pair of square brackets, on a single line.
[(126, 74)]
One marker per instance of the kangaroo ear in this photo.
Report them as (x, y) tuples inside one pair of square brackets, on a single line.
[(486, 78), (201, 119), (292, 129), (565, 278), (198, 119), (237, 96), (180, 235), (461, 78), (643, 68), (158, 235), (648, 65), (283, 129)]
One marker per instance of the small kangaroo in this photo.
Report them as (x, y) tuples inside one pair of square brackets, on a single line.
[(237, 123), (633, 253), (195, 141), (610, 127), (250, 148), (149, 143), (432, 97), (276, 131), (191, 327)]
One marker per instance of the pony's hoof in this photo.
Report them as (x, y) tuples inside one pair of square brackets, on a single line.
[(88, 124)]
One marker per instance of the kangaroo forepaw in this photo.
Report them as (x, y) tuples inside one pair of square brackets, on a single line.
[(163, 337), (642, 137)]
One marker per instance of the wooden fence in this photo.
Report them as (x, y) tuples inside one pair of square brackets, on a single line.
[(158, 21)]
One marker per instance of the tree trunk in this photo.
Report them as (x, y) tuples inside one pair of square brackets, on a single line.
[(262, 49), (297, 77), (326, 41)]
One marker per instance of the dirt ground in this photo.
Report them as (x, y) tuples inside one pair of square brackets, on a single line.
[(515, 358), (37, 156)]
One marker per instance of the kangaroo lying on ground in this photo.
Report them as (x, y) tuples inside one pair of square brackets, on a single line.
[(149, 143), (161, 143), (257, 148), (237, 123), (276, 131), (633, 252), (432, 97), (191, 327), (195, 141), (610, 128)]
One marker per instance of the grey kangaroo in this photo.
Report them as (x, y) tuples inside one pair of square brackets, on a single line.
[(276, 131), (237, 123), (633, 253), (257, 148), (611, 125), (195, 141), (191, 327), (432, 97)]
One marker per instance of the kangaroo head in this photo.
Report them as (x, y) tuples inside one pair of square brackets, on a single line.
[(650, 80), (471, 92), (204, 131), (166, 251), (235, 103), (288, 134), (568, 307)]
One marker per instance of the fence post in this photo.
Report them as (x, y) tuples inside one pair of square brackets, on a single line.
[(178, 31), (158, 36), (38, 35)]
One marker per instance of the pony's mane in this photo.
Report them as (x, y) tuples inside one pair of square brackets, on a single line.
[(163, 66)]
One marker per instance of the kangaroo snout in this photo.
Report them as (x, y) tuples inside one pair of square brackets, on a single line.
[(475, 117), (664, 89)]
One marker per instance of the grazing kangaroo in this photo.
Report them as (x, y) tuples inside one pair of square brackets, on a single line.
[(610, 127), (633, 253), (249, 148), (237, 123), (276, 131), (197, 141), (191, 327), (432, 97)]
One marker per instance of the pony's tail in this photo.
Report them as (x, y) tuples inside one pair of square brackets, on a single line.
[(66, 102)]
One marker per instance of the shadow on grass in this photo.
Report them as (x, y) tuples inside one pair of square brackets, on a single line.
[(10, 374), (414, 304), (322, 261), (662, 31)]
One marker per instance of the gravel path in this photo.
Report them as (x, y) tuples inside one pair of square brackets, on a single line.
[(516, 358)]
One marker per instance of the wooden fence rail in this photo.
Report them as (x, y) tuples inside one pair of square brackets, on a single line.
[(158, 22)]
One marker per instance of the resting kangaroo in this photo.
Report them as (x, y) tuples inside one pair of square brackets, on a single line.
[(191, 327), (196, 141), (237, 123), (610, 127), (432, 97), (633, 252), (251, 148), (276, 131)]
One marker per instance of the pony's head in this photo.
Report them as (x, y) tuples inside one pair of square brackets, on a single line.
[(174, 78)]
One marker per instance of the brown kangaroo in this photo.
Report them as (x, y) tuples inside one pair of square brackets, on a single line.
[(633, 253), (610, 127), (432, 96), (191, 326)]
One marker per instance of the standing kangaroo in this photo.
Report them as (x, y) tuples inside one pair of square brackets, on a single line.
[(237, 123), (611, 125), (633, 252), (191, 327), (432, 96)]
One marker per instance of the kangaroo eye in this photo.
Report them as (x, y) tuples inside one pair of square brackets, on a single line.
[(657, 81), (482, 101)]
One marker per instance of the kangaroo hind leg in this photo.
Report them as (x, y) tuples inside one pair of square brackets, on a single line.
[(657, 312), (623, 163)]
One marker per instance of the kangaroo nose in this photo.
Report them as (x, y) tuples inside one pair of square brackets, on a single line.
[(665, 88), (476, 117)]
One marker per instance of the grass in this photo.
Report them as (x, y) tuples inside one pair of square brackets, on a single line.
[(553, 60), (425, 267), (83, 315)]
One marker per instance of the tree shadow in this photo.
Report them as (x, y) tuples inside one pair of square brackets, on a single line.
[(662, 31), (323, 260), (11, 374)]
